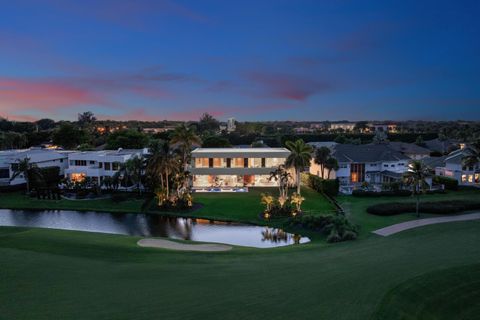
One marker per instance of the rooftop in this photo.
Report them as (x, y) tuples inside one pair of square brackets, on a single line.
[(367, 153)]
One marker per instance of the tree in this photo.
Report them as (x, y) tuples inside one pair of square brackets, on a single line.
[(419, 141), (13, 140), (322, 155), (415, 177), (216, 142), (361, 126), (185, 137), (69, 136), (45, 124), (380, 137), (331, 164), (86, 119), (131, 171), (299, 158), (162, 164), (208, 123), (282, 176), (127, 139), (27, 169)]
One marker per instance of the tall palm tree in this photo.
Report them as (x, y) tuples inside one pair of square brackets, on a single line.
[(135, 167), (282, 176), (321, 157), (331, 164), (185, 137), (162, 164), (416, 178), (22, 167), (299, 158)]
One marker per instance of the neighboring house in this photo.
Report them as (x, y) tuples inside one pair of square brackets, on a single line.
[(442, 146), (411, 150), (382, 127), (235, 167), (452, 166), (40, 157), (98, 164), (374, 164)]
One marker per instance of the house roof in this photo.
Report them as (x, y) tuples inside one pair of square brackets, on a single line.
[(441, 146), (434, 162), (235, 152), (408, 148), (367, 153), (328, 144)]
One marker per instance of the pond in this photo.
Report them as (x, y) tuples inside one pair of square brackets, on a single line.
[(152, 226)]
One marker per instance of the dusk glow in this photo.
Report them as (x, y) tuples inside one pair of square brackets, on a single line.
[(252, 60)]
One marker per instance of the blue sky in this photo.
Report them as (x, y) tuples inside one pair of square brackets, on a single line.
[(252, 60)]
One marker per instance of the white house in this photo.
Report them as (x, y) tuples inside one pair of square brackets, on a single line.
[(99, 164), (374, 164), (40, 157), (345, 126), (235, 167), (452, 166)]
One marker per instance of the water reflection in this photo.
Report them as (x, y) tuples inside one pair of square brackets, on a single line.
[(152, 226)]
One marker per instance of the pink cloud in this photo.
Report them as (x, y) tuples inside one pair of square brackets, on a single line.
[(46, 96), (287, 86)]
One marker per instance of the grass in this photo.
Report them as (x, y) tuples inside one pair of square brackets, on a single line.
[(356, 208), (53, 274), (241, 207)]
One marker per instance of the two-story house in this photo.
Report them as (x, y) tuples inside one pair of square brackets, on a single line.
[(42, 158), (235, 167), (453, 166), (99, 164)]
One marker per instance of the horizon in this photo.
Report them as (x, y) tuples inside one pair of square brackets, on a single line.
[(282, 60)]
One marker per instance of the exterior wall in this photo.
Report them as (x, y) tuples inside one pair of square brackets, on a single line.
[(343, 173), (464, 177)]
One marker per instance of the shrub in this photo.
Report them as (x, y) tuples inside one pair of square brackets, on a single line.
[(329, 187), (338, 228), (449, 183), (119, 197), (438, 207), (391, 193)]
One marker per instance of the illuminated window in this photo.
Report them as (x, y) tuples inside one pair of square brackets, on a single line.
[(464, 178), (470, 178), (77, 177)]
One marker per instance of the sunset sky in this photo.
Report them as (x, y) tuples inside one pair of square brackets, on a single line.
[(252, 60)]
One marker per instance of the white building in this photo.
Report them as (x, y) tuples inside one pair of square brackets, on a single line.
[(231, 125), (374, 164), (99, 164), (452, 166), (345, 126), (42, 158), (235, 167)]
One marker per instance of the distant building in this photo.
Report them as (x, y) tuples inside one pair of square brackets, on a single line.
[(345, 126), (383, 127), (303, 130), (42, 158), (158, 130), (231, 126)]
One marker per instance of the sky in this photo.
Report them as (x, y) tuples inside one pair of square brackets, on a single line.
[(252, 60)]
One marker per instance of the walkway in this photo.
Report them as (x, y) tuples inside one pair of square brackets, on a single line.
[(166, 244), (399, 227)]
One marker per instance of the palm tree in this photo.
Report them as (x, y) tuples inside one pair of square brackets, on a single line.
[(282, 176), (185, 137), (472, 157), (299, 158), (135, 168), (415, 177), (23, 167), (163, 164), (321, 157), (331, 164)]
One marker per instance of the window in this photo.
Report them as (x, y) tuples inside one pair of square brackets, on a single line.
[(264, 163), (107, 166), (218, 162), (385, 165), (393, 166), (92, 162), (210, 162), (245, 162), (357, 172), (238, 163), (201, 162), (4, 173), (72, 163), (229, 162), (115, 166), (81, 163), (464, 178), (100, 165)]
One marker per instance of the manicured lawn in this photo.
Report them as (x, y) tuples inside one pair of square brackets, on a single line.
[(356, 207), (244, 207), (52, 274)]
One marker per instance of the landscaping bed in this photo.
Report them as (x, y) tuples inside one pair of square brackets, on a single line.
[(437, 207)]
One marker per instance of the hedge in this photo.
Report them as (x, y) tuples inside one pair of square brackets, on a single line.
[(438, 207), (449, 183), (392, 193), (329, 187)]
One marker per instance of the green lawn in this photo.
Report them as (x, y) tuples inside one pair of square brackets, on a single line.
[(52, 274), (356, 208), (244, 207)]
